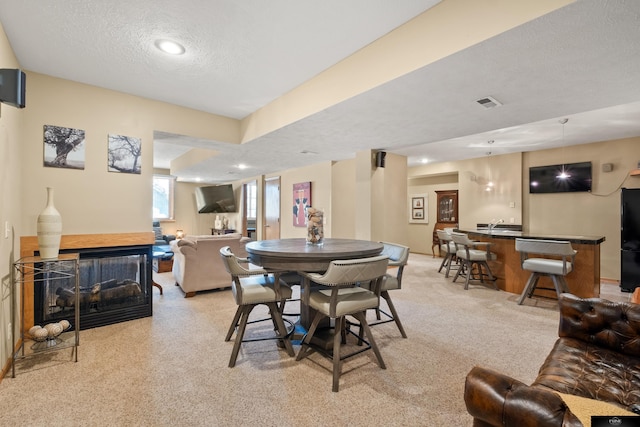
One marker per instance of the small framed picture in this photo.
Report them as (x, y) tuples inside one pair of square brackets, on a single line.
[(418, 208)]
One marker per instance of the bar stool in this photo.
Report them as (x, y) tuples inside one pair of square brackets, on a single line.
[(398, 258), (448, 248), (471, 257), (558, 261), (252, 287), (339, 297)]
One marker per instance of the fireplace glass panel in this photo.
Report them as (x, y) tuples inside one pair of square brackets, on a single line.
[(113, 287)]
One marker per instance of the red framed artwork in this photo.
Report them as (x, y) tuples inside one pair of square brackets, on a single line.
[(301, 201)]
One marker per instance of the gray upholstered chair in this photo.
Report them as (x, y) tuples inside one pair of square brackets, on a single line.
[(471, 257), (398, 257), (338, 297), (448, 248), (558, 261), (250, 288)]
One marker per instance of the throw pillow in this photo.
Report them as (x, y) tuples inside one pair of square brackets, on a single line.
[(158, 233)]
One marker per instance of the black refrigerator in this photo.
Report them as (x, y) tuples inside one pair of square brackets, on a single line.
[(630, 239)]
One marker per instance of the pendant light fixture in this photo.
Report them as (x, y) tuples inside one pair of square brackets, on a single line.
[(489, 186), (563, 174)]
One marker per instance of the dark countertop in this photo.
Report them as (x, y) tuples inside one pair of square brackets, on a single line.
[(501, 233)]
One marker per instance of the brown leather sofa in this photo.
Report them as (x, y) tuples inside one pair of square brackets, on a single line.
[(597, 356)]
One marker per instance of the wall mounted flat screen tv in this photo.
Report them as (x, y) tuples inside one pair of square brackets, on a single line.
[(215, 199), (550, 179)]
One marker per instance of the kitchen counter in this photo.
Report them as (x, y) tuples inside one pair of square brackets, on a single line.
[(583, 281), (505, 233)]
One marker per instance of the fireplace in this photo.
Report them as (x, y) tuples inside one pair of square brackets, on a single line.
[(114, 275), (115, 286)]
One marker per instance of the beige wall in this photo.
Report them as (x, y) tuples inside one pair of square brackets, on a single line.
[(343, 202), (11, 147), (94, 200), (389, 208), (320, 177), (594, 214), (421, 235), (591, 214), (475, 205), (359, 200)]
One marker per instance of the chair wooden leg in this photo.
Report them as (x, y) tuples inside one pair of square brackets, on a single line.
[(460, 270), (234, 323), (305, 349), (394, 313), (337, 361), (536, 277), (468, 275), (246, 309), (452, 259), (528, 288), (444, 262), (276, 315), (372, 342), (563, 283), (557, 284), (491, 278)]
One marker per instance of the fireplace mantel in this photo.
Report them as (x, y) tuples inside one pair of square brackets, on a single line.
[(29, 246)]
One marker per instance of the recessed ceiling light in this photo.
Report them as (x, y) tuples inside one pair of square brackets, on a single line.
[(242, 166), (170, 47), (424, 161)]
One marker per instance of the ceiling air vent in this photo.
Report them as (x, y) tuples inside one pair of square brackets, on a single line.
[(489, 102)]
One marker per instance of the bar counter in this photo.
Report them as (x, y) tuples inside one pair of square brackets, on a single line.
[(583, 281)]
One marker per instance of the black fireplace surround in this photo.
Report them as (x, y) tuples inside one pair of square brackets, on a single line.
[(115, 286)]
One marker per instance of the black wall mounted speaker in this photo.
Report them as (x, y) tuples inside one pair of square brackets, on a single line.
[(380, 156), (12, 87)]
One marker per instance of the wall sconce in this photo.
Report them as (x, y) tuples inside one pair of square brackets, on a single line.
[(179, 234)]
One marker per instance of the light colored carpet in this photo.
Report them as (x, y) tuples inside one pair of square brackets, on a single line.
[(171, 369)]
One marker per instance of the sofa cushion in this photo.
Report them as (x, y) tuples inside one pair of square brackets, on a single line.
[(583, 369)]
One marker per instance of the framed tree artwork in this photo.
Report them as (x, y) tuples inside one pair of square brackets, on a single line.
[(63, 147), (125, 154), (301, 201)]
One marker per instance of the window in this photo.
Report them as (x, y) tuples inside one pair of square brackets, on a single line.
[(252, 200), (163, 197)]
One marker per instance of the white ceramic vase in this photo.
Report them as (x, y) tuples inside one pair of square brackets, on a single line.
[(49, 229)]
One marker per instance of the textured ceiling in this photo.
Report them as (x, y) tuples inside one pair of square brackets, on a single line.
[(581, 62)]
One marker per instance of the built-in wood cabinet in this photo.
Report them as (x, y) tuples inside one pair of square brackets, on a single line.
[(447, 205), (446, 213)]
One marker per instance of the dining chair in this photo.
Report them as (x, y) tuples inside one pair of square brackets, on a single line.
[(555, 260), (471, 257), (448, 248), (339, 296), (250, 288), (398, 257)]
